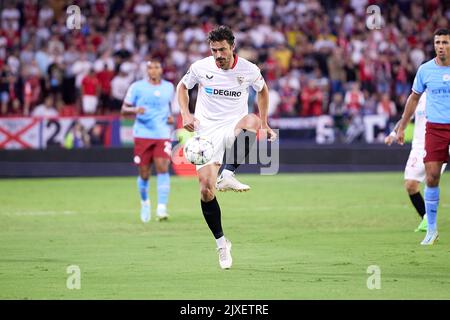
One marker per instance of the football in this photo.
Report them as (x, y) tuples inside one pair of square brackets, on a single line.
[(198, 150)]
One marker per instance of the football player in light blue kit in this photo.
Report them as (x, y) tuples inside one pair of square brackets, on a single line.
[(434, 78), (149, 99)]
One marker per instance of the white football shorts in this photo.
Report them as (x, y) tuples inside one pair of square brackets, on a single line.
[(222, 137), (415, 168)]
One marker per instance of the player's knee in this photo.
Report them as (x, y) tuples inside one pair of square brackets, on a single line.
[(253, 122), (411, 186), (206, 191), (433, 179), (145, 174), (162, 169)]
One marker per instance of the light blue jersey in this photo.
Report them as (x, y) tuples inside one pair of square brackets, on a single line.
[(435, 80), (156, 100)]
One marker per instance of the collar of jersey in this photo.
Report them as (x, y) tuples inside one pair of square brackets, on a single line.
[(435, 62)]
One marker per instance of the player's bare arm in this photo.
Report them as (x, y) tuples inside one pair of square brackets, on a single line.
[(189, 121), (263, 106), (410, 108), (128, 109)]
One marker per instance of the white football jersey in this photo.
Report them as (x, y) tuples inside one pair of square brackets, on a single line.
[(222, 94), (419, 124)]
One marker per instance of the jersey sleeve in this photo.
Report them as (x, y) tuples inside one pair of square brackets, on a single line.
[(130, 97), (418, 84), (190, 79), (257, 81)]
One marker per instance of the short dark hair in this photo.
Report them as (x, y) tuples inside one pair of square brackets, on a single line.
[(442, 32), (221, 33), (154, 60)]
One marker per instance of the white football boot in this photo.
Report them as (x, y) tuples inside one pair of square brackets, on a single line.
[(225, 259), (430, 238), (161, 212), (226, 181)]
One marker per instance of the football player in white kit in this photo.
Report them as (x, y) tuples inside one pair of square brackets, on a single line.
[(221, 112), (415, 168)]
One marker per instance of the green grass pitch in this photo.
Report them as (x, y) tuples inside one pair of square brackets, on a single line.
[(303, 236)]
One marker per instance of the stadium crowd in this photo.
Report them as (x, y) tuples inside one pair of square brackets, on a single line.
[(318, 57)]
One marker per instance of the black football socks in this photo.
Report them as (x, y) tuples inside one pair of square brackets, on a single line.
[(211, 212), (418, 203), (236, 156)]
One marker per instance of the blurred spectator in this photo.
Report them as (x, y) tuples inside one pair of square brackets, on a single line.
[(10, 16), (55, 76), (96, 135), (4, 89), (11, 93), (386, 107), (312, 100), (354, 99), (417, 55), (105, 77), (119, 87), (90, 91), (45, 109), (80, 69), (339, 113), (43, 59), (45, 13), (283, 57), (32, 93), (366, 67), (104, 62), (370, 104), (288, 101), (402, 70), (336, 65), (77, 137), (274, 102)]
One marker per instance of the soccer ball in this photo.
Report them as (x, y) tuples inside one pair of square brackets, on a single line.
[(199, 150)]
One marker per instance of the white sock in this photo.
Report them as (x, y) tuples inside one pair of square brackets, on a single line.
[(227, 173), (424, 216), (221, 242), (161, 207), (146, 202)]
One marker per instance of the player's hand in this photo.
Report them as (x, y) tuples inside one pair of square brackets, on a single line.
[(140, 110), (389, 140), (271, 135), (170, 120), (190, 123), (400, 136)]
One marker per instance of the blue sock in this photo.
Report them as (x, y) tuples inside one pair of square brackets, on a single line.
[(431, 205), (163, 187), (143, 188)]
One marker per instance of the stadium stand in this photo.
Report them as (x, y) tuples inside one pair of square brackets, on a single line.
[(318, 57)]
